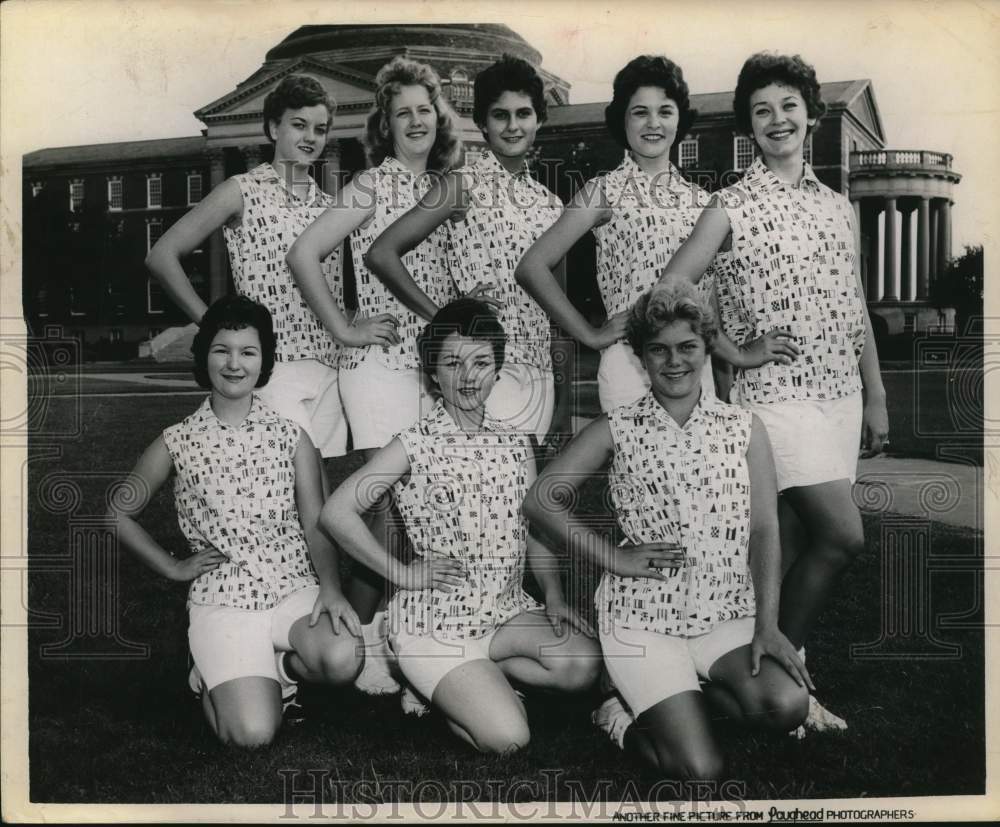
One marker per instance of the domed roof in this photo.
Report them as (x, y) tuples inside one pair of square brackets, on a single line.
[(489, 38)]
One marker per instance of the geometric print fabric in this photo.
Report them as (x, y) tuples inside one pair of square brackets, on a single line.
[(396, 190), (792, 266), (506, 215), (687, 485), (234, 491), (651, 216), (273, 218), (462, 500)]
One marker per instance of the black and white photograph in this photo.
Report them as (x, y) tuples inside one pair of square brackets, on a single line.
[(498, 411)]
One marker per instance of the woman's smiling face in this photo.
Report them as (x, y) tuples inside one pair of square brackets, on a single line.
[(465, 371), (651, 121), (780, 120)]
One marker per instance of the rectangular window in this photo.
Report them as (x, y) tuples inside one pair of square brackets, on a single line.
[(115, 193), (807, 149), (154, 191), (75, 195), (194, 188), (909, 322), (154, 229), (155, 300), (742, 152), (687, 153)]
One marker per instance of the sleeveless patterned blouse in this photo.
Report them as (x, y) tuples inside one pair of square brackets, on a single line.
[(507, 213), (651, 216), (234, 491), (397, 190), (792, 265), (462, 499), (688, 485), (273, 218)]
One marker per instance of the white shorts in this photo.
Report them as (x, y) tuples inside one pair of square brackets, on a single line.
[(228, 643), (622, 379), (380, 402), (425, 659), (524, 398), (307, 392), (649, 667), (812, 442)]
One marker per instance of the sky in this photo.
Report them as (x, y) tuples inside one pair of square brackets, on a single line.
[(93, 71)]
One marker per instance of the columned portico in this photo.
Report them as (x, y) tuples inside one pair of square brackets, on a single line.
[(913, 192)]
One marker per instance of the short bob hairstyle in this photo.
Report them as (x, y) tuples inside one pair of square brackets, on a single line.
[(377, 137), (509, 74), (466, 317), (295, 92), (763, 69), (664, 304), (648, 70), (233, 313)]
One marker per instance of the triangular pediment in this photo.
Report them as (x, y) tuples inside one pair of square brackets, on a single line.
[(348, 87), (863, 107)]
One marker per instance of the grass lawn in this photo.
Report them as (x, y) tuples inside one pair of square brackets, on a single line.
[(127, 730)]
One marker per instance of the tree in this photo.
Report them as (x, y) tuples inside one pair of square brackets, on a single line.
[(961, 286)]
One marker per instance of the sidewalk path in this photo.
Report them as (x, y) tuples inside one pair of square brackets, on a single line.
[(947, 492)]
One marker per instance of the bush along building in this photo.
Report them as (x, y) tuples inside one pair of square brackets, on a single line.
[(91, 213)]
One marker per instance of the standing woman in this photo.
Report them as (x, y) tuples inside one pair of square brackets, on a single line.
[(496, 212), (639, 214), (410, 140), (795, 279), (261, 213)]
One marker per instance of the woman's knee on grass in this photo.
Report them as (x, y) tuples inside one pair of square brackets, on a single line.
[(248, 728), (687, 760), (781, 707), (501, 735)]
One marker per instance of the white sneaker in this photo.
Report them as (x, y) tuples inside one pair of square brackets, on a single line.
[(613, 718), (375, 677), (412, 704), (819, 719)]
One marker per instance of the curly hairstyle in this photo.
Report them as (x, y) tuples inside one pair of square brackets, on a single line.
[(648, 70), (664, 304), (294, 92), (467, 317), (377, 138), (763, 69), (509, 74), (233, 313)]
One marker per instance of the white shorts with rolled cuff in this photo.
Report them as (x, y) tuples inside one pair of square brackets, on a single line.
[(812, 441), (649, 667), (229, 643), (425, 659), (380, 401)]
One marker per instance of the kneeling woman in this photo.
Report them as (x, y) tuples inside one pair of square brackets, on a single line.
[(694, 595), (248, 496), (465, 632)]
